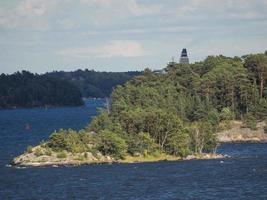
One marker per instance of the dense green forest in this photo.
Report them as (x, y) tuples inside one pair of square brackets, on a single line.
[(95, 84), (176, 112), (24, 89)]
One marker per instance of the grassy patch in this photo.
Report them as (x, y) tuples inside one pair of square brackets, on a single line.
[(38, 152), (149, 158), (62, 154)]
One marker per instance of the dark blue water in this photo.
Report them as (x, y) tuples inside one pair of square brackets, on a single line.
[(244, 176)]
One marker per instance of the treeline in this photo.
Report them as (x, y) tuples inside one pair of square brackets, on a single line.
[(24, 89), (179, 110), (95, 84), (176, 112)]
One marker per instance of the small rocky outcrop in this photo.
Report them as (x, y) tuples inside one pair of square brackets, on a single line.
[(205, 156), (237, 133), (40, 156)]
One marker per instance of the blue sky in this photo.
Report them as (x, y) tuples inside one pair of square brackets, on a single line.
[(122, 35)]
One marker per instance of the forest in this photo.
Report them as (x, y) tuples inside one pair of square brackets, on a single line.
[(25, 89), (95, 84), (177, 111)]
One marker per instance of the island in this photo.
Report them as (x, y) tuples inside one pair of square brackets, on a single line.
[(179, 113)]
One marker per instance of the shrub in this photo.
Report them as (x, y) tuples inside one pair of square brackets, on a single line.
[(38, 152), (141, 143), (178, 143), (213, 117), (62, 154), (85, 155), (69, 140), (110, 143), (226, 114), (265, 127), (203, 137), (100, 122), (29, 149), (48, 152), (249, 121)]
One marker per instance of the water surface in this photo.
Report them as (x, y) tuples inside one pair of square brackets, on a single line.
[(244, 176)]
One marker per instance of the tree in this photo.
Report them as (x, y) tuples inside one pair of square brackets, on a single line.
[(257, 65), (110, 143)]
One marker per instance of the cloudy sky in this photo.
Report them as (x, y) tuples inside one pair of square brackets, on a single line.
[(121, 35)]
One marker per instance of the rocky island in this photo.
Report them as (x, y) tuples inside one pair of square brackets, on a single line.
[(181, 112)]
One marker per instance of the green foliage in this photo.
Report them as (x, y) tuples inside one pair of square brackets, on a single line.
[(92, 83), (85, 155), (203, 137), (226, 114), (178, 143), (70, 141), (101, 122), (142, 144), (177, 112), (48, 152), (24, 89), (38, 152), (62, 154), (213, 117), (29, 149), (249, 121), (265, 127), (260, 109), (110, 143)]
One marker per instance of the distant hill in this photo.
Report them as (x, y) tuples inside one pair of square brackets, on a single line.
[(24, 89), (92, 83)]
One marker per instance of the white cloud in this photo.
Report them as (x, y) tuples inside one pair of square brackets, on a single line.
[(123, 7), (114, 48), (28, 13), (239, 9)]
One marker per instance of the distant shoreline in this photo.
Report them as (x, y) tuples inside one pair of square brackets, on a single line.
[(41, 107)]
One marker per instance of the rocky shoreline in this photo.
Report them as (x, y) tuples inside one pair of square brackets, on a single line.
[(40, 156), (56, 159), (238, 134)]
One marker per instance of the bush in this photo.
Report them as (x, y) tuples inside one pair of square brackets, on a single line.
[(38, 152), (249, 121), (141, 143), (178, 143), (70, 141), (100, 122), (48, 152), (265, 127), (226, 114), (62, 154), (85, 155), (29, 149), (110, 143), (203, 137)]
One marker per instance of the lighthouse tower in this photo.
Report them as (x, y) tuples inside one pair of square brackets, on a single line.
[(184, 58)]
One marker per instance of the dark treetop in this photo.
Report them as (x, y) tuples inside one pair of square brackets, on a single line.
[(24, 89), (95, 84)]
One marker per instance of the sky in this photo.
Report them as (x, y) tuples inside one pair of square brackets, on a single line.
[(123, 35)]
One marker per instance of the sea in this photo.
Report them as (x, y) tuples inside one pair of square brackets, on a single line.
[(242, 176)]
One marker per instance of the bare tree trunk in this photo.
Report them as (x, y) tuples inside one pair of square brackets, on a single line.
[(261, 85)]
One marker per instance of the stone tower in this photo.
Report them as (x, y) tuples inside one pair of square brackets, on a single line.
[(184, 58)]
